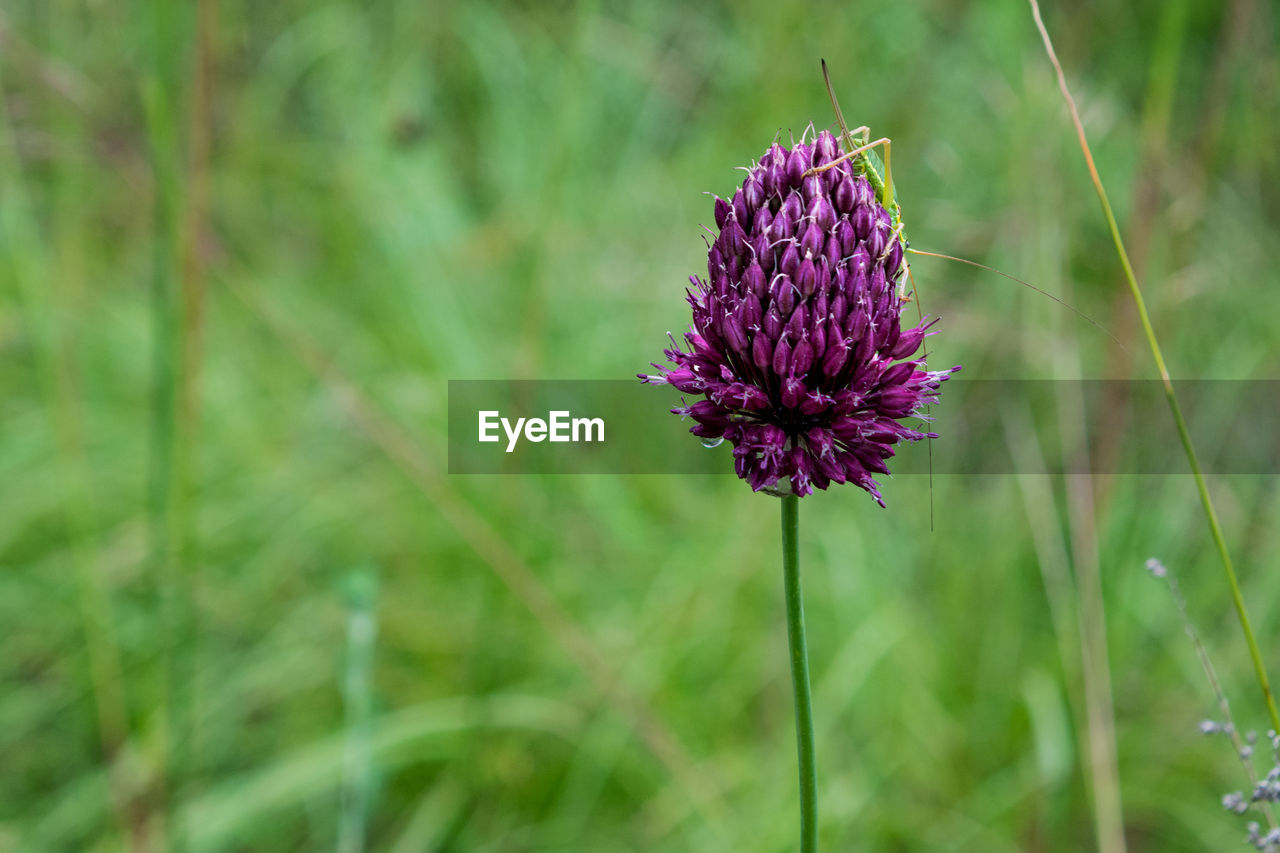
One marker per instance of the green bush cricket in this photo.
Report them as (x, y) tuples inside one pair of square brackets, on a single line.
[(860, 153)]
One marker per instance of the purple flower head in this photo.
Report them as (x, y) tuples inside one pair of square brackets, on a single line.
[(797, 346)]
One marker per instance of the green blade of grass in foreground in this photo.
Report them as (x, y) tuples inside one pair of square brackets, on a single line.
[(1185, 437)]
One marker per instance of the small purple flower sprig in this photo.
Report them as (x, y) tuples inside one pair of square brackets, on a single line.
[(1266, 790), (797, 343)]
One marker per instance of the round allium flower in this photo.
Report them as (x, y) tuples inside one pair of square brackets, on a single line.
[(797, 344)]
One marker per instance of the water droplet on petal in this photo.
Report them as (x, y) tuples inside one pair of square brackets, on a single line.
[(712, 442)]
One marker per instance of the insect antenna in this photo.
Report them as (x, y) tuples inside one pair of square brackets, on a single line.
[(924, 352), (845, 135), (1042, 292)]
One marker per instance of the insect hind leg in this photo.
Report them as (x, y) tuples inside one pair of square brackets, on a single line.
[(896, 236), (817, 170)]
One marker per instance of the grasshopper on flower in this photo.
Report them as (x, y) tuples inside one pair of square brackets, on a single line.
[(860, 153)]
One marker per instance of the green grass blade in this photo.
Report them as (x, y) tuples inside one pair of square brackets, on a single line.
[(1215, 528)]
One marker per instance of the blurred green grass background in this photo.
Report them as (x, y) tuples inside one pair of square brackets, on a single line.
[(244, 248)]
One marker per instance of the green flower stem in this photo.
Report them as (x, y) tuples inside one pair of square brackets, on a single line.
[(800, 675)]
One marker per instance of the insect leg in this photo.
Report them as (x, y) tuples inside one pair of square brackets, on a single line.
[(851, 154), (902, 281), (887, 200)]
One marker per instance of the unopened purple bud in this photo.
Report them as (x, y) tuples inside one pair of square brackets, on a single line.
[(831, 251), (753, 279), (897, 402), (796, 323), (866, 196), (782, 228), (881, 435), (705, 411), (898, 373), (772, 180), (722, 212), (793, 207), (847, 237), (753, 192), (857, 323), (811, 188), (774, 177), (822, 213), (908, 343), (877, 286), (785, 293), (760, 245), (824, 272), (733, 265), (818, 336), (734, 335), (837, 354), (752, 312), (721, 288), (879, 238), (761, 351), (773, 321), (832, 177), (702, 430), (710, 326), (824, 149), (821, 301), (806, 277), (761, 220), (811, 242), (860, 262), (775, 156), (789, 263), (732, 239), (839, 304), (846, 428), (782, 358), (870, 457), (845, 195), (740, 211), (802, 357), (887, 334), (893, 263), (797, 164), (700, 346), (863, 221)]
